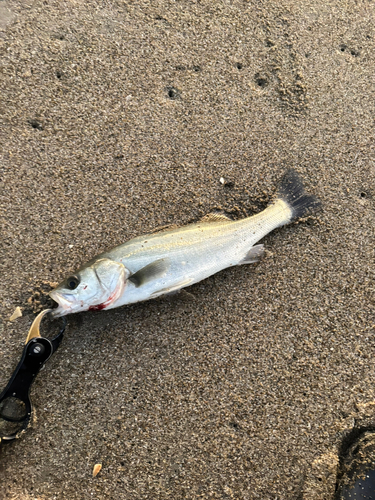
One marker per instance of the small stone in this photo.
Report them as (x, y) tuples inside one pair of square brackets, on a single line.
[(222, 180), (96, 470)]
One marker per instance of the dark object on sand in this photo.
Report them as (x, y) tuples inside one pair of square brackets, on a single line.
[(357, 478), (15, 403)]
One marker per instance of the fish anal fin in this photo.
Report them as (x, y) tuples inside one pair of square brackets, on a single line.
[(216, 216), (253, 255), (150, 272)]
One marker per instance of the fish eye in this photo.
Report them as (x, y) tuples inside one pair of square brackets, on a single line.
[(72, 282)]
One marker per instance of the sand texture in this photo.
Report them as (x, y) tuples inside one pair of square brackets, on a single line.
[(118, 117)]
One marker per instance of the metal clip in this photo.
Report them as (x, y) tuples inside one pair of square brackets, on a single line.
[(15, 403)]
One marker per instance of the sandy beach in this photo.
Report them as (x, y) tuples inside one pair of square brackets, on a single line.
[(119, 117)]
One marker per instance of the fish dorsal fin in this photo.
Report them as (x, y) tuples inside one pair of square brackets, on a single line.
[(150, 272), (216, 216), (161, 229)]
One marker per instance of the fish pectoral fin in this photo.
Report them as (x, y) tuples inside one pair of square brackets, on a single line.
[(253, 255), (150, 272), (216, 216), (171, 289)]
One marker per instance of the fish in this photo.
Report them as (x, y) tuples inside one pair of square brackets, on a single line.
[(165, 262)]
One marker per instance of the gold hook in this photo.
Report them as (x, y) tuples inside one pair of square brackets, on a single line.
[(34, 329)]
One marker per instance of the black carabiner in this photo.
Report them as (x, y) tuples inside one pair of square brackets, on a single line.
[(15, 403)]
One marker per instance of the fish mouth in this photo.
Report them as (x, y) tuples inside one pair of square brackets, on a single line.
[(63, 303)]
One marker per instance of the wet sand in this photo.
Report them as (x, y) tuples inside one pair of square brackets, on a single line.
[(117, 118)]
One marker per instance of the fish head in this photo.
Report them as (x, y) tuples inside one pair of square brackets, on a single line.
[(93, 287)]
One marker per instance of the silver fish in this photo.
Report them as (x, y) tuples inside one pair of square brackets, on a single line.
[(164, 262)]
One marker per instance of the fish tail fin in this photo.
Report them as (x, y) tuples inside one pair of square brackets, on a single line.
[(292, 192)]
